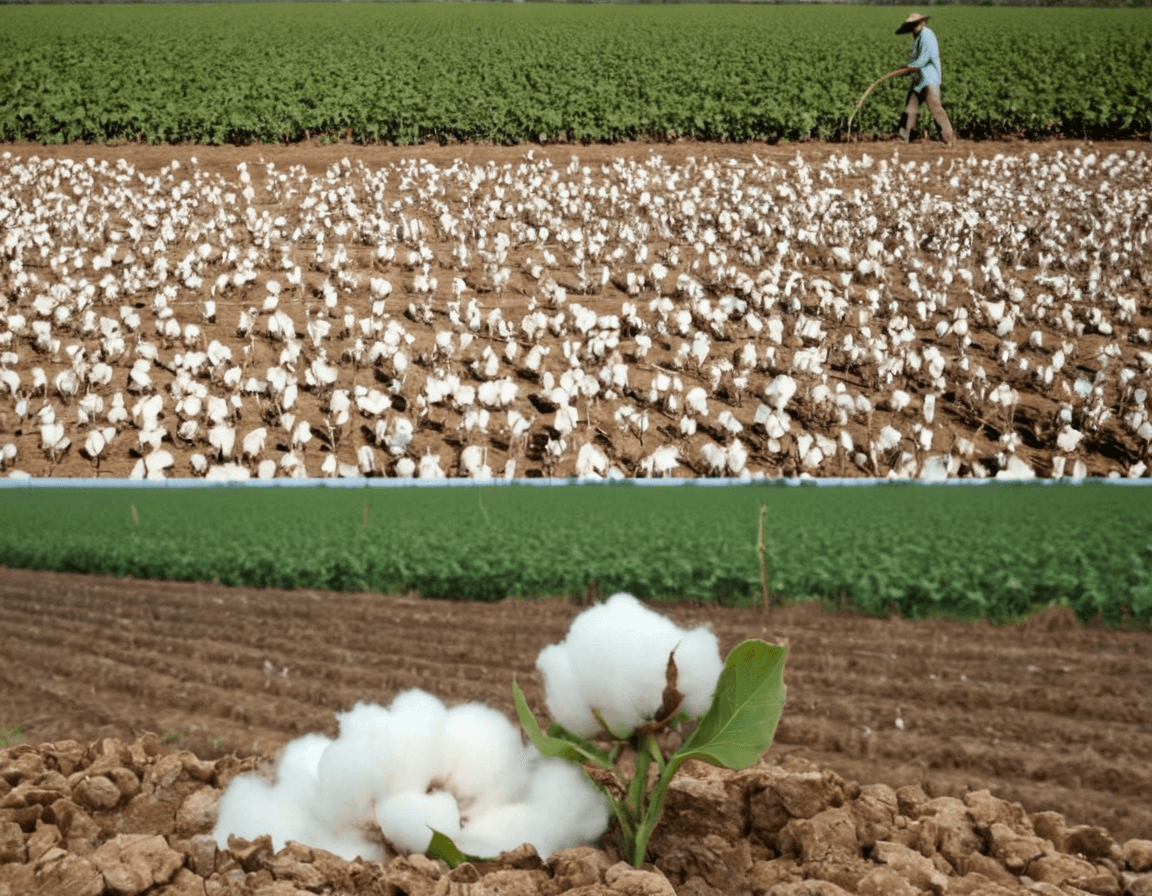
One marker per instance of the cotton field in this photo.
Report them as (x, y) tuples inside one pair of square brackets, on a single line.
[(860, 313)]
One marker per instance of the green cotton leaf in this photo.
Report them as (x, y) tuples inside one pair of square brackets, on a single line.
[(558, 743), (442, 847), (739, 725)]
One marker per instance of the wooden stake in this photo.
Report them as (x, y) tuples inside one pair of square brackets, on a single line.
[(135, 518), (760, 549), (366, 508)]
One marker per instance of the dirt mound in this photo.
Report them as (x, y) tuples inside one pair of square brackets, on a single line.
[(1053, 619), (128, 819)]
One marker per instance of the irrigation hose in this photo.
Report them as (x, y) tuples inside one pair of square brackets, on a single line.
[(865, 96)]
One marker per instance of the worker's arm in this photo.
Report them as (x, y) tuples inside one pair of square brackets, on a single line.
[(928, 49)]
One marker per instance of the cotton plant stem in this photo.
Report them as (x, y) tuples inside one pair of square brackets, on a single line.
[(654, 811), (868, 91), (638, 810)]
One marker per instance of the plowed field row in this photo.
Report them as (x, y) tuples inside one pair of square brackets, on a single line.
[(1053, 716)]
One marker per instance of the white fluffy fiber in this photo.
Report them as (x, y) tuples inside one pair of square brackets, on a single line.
[(613, 660), (409, 768)]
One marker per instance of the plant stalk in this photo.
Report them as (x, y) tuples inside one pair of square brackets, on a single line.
[(760, 550)]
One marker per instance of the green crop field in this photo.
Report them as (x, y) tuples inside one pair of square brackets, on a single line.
[(991, 551), (406, 73)]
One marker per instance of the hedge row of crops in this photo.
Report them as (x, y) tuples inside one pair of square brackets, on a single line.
[(406, 73), (990, 551)]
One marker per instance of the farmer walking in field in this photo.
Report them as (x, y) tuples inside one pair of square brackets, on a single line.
[(924, 66)]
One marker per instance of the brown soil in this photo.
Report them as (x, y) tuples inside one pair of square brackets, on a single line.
[(1113, 449), (1049, 714)]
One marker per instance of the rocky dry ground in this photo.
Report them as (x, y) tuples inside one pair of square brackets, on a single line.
[(128, 819), (1020, 764)]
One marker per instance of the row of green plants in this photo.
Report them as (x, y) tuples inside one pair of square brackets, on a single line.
[(993, 552), (509, 73)]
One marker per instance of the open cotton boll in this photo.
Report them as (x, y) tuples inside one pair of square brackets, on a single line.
[(572, 809), (503, 828), (357, 766), (417, 733), (613, 660), (699, 665), (300, 759), (253, 806), (481, 759), (350, 777), (407, 769), (409, 818), (560, 808)]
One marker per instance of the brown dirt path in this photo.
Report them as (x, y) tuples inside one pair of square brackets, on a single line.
[(1052, 715), (317, 158)]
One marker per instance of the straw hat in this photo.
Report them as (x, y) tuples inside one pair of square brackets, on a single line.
[(911, 22)]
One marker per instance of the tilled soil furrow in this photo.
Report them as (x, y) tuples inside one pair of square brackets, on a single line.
[(1043, 716)]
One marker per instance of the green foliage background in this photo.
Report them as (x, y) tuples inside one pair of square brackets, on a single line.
[(991, 551), (406, 73)]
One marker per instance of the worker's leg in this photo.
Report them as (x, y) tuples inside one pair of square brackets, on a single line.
[(937, 109), (911, 114)]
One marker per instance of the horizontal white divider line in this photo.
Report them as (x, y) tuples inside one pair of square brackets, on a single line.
[(47, 482)]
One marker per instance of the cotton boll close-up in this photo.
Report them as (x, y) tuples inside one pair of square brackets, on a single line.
[(286, 809), (410, 817), (559, 808), (253, 807), (481, 759), (570, 811), (417, 737), (613, 660), (486, 833), (358, 765), (394, 774)]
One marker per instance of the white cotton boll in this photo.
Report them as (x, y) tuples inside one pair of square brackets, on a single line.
[(559, 809), (699, 665), (576, 812), (411, 768), (357, 767), (407, 819), (888, 439), (613, 660), (1017, 468), (360, 767), (564, 689), (300, 759), (504, 828), (780, 391), (252, 807), (1068, 438), (417, 732), (481, 758), (285, 810)]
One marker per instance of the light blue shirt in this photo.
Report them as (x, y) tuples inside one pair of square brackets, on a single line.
[(925, 56)]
